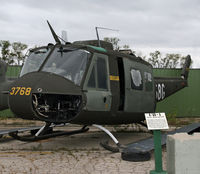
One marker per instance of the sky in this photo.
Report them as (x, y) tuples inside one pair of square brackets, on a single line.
[(145, 25)]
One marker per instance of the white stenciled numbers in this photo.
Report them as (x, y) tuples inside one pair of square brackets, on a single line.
[(160, 91)]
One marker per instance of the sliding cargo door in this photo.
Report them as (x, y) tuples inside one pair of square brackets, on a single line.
[(139, 92)]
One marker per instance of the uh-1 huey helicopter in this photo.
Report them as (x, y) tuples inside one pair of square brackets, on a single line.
[(86, 83)]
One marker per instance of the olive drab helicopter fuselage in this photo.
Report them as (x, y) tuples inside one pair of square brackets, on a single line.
[(86, 83), (83, 84)]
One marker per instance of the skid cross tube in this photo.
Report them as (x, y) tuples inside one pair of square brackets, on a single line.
[(48, 125), (42, 129), (106, 145), (107, 132)]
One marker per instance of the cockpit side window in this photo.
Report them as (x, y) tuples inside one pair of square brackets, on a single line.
[(91, 81), (102, 73), (98, 78)]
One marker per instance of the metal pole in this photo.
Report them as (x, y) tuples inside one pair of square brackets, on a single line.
[(99, 43), (157, 153)]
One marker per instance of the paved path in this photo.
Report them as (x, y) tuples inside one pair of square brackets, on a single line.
[(77, 154), (70, 162)]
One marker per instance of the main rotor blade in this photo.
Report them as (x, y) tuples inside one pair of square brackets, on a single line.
[(54, 34)]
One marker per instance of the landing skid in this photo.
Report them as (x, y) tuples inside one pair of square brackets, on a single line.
[(45, 132), (126, 152), (105, 144)]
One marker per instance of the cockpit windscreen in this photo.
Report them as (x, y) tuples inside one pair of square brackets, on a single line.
[(69, 63), (34, 60)]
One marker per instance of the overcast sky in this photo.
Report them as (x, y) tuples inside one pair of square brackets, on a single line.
[(170, 26)]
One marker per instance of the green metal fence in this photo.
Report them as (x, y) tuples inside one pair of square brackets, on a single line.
[(13, 71), (184, 103)]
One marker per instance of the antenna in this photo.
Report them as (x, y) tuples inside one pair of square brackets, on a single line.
[(54, 34), (96, 28)]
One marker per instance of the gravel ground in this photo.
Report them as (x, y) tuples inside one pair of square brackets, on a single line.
[(70, 162), (79, 154)]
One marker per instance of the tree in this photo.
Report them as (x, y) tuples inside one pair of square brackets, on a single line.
[(115, 42), (12, 53), (172, 61), (6, 51), (18, 51), (154, 59), (125, 46), (168, 61)]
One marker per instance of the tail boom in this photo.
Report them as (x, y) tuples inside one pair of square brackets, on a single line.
[(166, 86)]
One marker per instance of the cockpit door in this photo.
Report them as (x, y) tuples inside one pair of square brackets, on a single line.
[(97, 84)]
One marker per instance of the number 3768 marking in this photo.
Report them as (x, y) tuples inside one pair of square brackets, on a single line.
[(20, 91)]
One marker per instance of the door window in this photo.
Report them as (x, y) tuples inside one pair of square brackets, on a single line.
[(148, 81), (136, 79), (91, 81), (102, 73)]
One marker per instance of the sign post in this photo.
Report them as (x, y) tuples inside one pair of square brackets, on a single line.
[(157, 122)]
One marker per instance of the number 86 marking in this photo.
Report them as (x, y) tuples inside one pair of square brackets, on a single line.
[(20, 91)]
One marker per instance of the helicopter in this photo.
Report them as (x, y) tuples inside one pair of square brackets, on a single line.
[(86, 83)]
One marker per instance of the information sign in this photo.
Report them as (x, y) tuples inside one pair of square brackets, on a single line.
[(156, 121)]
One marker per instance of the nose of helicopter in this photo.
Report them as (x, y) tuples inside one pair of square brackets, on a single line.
[(45, 96)]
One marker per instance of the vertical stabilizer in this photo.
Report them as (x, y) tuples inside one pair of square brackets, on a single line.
[(185, 70)]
